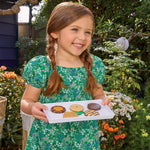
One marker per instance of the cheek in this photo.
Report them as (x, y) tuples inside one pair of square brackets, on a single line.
[(89, 40)]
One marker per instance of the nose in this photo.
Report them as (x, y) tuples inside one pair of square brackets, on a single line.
[(82, 36)]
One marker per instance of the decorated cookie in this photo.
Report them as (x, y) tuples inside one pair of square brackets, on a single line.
[(58, 109), (94, 106), (91, 113), (69, 114), (76, 108)]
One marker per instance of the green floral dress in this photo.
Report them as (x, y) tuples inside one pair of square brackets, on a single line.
[(79, 135)]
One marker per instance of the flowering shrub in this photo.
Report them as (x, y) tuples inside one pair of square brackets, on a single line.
[(122, 71), (12, 87), (114, 131)]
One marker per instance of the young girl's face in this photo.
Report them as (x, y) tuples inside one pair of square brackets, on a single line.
[(75, 38)]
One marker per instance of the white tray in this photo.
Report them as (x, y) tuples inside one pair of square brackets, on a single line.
[(105, 112)]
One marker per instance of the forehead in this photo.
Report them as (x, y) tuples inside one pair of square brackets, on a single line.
[(84, 22)]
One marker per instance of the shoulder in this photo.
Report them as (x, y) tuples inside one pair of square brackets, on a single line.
[(40, 62), (97, 60), (36, 71), (37, 60)]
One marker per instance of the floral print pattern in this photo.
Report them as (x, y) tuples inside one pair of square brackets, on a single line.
[(79, 135)]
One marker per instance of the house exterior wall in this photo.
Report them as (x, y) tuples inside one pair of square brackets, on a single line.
[(8, 38)]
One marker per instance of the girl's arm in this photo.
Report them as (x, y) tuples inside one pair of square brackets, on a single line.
[(99, 94), (30, 104)]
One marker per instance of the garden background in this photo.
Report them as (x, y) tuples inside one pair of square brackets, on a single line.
[(127, 81)]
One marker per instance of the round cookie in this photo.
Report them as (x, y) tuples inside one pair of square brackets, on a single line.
[(94, 106), (76, 108), (58, 109), (69, 114), (91, 113)]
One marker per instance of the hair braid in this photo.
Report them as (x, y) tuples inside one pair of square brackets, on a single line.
[(55, 82), (91, 80)]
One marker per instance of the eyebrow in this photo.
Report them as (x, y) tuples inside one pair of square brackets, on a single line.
[(90, 29)]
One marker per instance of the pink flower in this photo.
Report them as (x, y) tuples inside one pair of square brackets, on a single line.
[(134, 14)]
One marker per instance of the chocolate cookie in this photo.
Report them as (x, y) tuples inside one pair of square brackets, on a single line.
[(58, 109), (76, 108), (91, 113), (70, 115), (94, 106)]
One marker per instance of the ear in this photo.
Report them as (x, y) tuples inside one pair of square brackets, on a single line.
[(54, 35)]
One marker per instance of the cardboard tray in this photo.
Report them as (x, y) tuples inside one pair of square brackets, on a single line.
[(105, 112)]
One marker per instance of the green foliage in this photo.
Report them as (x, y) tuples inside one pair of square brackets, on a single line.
[(138, 129), (31, 48), (11, 87), (147, 91), (122, 72)]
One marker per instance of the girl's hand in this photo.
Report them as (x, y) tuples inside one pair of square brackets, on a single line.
[(37, 111), (106, 101)]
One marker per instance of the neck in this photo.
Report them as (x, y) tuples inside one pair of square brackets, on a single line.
[(64, 61)]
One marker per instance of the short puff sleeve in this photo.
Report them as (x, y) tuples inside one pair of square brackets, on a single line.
[(36, 71), (98, 69)]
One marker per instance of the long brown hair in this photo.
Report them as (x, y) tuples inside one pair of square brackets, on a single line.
[(64, 14)]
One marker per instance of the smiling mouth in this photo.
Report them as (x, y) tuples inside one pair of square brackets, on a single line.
[(78, 45)]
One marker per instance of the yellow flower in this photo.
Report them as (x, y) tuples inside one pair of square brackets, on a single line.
[(144, 133), (109, 20), (148, 117), (125, 101), (106, 94), (144, 109)]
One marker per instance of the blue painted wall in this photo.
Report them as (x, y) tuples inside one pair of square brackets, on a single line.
[(8, 38)]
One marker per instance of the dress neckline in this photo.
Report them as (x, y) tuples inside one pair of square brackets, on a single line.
[(64, 66)]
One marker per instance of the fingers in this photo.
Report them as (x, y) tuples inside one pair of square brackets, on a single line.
[(37, 111), (106, 101)]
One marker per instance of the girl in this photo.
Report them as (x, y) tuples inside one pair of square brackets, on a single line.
[(68, 73)]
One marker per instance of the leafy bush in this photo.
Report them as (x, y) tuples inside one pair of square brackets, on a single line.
[(30, 47), (122, 72), (113, 132), (11, 87), (138, 129)]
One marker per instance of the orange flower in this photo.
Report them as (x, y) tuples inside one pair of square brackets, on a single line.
[(13, 75), (116, 129), (122, 136), (121, 121), (3, 68), (106, 126), (117, 137), (110, 129), (6, 75), (136, 107), (120, 126), (136, 100), (103, 123), (113, 91)]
